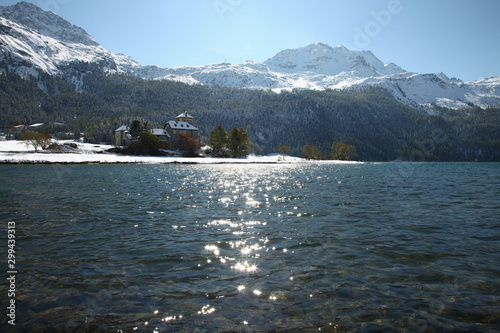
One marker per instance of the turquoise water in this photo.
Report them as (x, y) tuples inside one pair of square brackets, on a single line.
[(254, 248)]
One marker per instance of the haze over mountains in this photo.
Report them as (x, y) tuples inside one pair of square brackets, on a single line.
[(32, 38)]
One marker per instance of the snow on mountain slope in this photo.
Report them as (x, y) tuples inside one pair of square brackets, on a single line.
[(436, 89), (244, 75), (323, 59), (316, 66), (485, 91), (319, 66), (46, 23), (32, 38)]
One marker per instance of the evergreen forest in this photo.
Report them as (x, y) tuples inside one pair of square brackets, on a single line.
[(369, 120)]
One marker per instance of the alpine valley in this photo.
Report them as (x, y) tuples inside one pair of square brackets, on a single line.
[(55, 72)]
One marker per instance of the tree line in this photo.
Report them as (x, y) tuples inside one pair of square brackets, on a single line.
[(229, 144), (370, 119), (339, 151)]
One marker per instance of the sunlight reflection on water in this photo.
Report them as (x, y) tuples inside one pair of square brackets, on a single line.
[(259, 248)]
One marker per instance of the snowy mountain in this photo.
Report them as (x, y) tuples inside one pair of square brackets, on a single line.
[(319, 66), (323, 59), (32, 38), (46, 23)]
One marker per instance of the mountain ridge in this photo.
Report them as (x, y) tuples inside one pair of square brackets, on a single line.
[(31, 38), (24, 12)]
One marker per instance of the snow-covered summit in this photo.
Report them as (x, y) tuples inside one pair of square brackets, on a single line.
[(319, 67), (46, 23), (31, 38), (323, 59)]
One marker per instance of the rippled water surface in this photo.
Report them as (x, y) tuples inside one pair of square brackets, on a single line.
[(255, 248)]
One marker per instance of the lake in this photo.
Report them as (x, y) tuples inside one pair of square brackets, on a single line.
[(254, 248)]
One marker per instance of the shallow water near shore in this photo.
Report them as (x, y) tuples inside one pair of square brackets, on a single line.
[(255, 248)]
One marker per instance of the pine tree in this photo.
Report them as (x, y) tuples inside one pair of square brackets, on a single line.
[(238, 142), (218, 140), (136, 129)]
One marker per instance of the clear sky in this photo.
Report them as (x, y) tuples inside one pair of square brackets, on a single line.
[(460, 38)]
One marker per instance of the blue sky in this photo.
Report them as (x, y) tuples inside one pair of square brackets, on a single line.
[(457, 37)]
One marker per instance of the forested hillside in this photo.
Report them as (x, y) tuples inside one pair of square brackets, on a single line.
[(375, 123)]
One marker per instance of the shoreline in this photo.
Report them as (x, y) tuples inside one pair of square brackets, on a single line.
[(17, 153), (126, 159), (33, 162)]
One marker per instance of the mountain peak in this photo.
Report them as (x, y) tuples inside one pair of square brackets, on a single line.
[(323, 59), (23, 6), (47, 23), (319, 46)]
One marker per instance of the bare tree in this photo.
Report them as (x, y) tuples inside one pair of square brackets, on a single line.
[(36, 140)]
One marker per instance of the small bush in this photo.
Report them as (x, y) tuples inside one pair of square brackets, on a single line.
[(55, 147)]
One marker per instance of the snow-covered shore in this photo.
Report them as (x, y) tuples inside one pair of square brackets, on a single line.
[(16, 152)]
